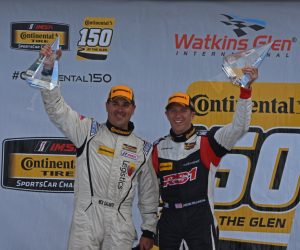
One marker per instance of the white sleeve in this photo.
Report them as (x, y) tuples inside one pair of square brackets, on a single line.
[(228, 135), (67, 120)]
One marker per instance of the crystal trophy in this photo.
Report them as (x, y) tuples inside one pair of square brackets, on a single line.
[(43, 73), (233, 63)]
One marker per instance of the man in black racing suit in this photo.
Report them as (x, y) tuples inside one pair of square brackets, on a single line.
[(186, 161)]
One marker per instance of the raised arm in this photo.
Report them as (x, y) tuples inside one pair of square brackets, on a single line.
[(229, 134), (71, 124)]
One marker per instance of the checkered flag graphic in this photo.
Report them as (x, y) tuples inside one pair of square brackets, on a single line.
[(239, 25)]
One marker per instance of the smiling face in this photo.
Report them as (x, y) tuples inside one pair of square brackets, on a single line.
[(180, 117), (119, 111)]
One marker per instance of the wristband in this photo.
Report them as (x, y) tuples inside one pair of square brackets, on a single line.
[(245, 93), (148, 234)]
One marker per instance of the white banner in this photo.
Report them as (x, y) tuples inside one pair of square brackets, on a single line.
[(157, 48)]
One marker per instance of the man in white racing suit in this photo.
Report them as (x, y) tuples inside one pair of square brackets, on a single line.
[(186, 161), (111, 163)]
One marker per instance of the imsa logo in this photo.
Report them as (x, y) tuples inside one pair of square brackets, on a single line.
[(38, 164), (33, 35)]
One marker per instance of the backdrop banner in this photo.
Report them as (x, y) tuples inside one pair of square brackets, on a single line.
[(156, 47)]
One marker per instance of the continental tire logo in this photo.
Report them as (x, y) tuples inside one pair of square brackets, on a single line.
[(273, 104), (38, 164), (33, 35), (32, 162), (204, 104)]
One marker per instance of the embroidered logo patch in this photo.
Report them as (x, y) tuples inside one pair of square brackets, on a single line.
[(129, 155), (103, 150), (129, 148), (188, 146), (166, 166)]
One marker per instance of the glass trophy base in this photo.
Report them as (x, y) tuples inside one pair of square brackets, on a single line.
[(42, 84)]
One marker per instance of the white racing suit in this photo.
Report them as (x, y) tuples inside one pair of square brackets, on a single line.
[(186, 167), (110, 165)]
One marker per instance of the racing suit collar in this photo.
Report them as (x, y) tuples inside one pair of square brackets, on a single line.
[(120, 131), (184, 136)]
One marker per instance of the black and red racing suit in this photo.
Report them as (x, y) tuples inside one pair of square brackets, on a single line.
[(186, 165)]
